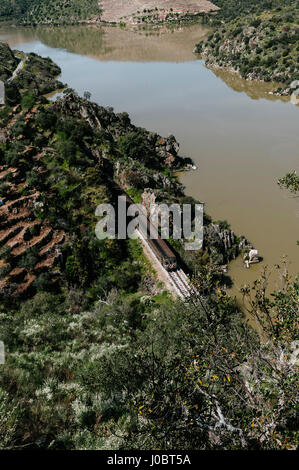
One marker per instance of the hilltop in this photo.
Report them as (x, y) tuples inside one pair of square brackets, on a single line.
[(234, 9)]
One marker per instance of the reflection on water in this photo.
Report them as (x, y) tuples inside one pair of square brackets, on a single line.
[(255, 90), (159, 44), (241, 138), (115, 43)]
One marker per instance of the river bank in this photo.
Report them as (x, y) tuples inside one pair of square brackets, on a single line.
[(259, 47)]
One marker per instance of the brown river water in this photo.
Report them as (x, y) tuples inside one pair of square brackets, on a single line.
[(241, 138)]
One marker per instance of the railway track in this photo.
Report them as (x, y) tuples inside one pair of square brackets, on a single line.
[(177, 277), (182, 283)]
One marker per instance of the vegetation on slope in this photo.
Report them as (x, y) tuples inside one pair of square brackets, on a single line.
[(58, 162), (137, 372), (99, 356), (290, 182), (36, 75), (262, 46), (8, 62), (55, 12), (234, 9)]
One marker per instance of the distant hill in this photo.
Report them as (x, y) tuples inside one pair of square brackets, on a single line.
[(49, 11), (33, 12), (117, 10)]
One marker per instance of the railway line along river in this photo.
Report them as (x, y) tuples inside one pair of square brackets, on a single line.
[(241, 138)]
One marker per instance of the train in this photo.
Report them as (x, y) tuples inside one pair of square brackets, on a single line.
[(164, 253), (159, 246)]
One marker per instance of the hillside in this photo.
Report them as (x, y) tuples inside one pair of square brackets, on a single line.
[(234, 9), (61, 12), (263, 46), (58, 162), (152, 10), (84, 320), (57, 12), (8, 63)]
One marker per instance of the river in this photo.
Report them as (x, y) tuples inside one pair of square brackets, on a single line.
[(241, 138)]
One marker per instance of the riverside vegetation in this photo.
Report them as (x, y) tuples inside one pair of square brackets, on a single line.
[(98, 355), (259, 41)]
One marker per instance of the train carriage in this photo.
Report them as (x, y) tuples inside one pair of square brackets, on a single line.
[(159, 246)]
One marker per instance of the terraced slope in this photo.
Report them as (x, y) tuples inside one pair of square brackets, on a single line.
[(29, 246), (23, 235), (8, 63)]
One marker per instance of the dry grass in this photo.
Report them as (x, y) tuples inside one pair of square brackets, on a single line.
[(115, 10)]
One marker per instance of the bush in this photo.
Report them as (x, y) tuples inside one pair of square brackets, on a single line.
[(28, 101)]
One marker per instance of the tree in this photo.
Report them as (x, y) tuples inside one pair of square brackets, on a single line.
[(28, 101), (87, 95), (199, 377), (290, 181), (133, 145)]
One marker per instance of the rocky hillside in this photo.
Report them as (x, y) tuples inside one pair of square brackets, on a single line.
[(261, 46), (52, 181)]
